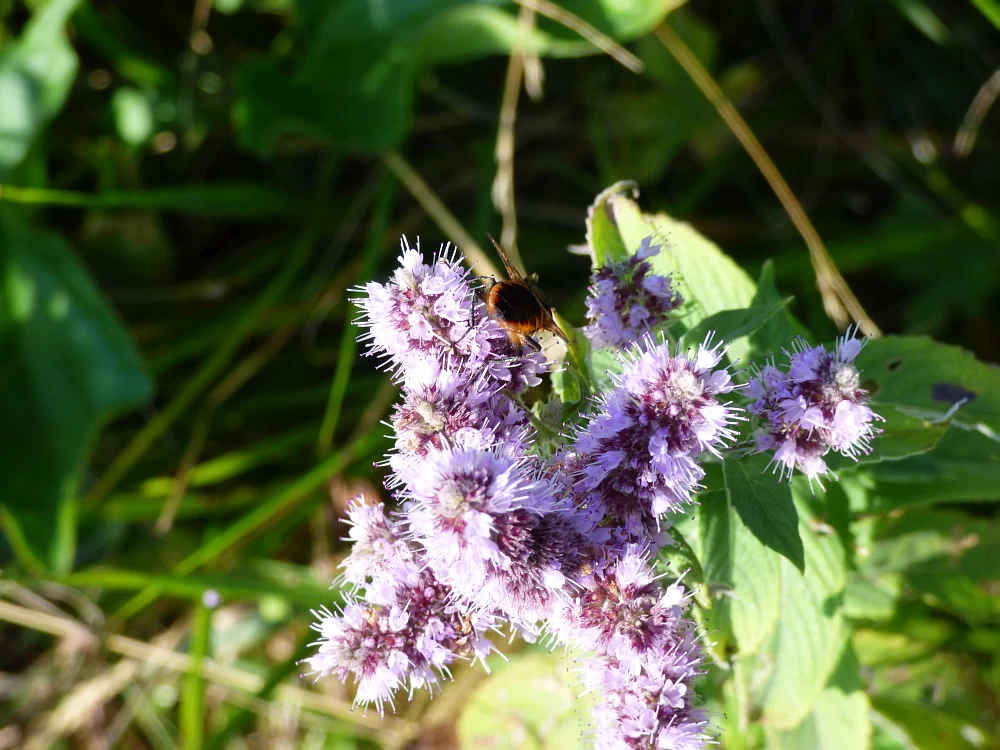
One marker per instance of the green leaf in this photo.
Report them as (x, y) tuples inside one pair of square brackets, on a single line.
[(778, 330), (755, 602), (871, 598), (928, 379), (810, 633), (133, 114), (36, 74), (532, 703), (368, 114), (926, 727), (68, 367), (990, 9), (732, 325), (902, 436), (709, 278), (765, 505), (838, 720), (962, 467), (615, 226)]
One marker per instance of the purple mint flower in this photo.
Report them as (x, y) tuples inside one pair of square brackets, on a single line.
[(431, 312), (814, 407), (407, 643), (445, 407), (378, 550), (640, 451), (495, 530), (648, 703), (628, 301), (623, 612)]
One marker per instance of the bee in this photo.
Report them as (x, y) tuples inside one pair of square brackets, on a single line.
[(518, 305)]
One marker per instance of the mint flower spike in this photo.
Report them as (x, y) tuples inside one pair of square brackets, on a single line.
[(813, 406), (495, 530), (647, 657), (627, 301), (641, 450)]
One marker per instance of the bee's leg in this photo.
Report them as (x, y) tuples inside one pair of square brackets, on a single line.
[(535, 346)]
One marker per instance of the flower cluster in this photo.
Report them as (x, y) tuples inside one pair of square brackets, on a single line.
[(628, 301), (403, 630), (641, 449), (813, 406), (498, 526), (647, 657)]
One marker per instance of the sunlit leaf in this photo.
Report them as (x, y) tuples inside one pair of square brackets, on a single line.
[(68, 367), (532, 703), (36, 73)]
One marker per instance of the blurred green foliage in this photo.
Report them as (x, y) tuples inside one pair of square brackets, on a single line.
[(186, 194)]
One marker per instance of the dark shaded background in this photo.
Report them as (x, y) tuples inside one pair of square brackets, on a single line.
[(859, 103)]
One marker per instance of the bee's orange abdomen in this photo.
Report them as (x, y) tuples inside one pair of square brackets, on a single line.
[(515, 306)]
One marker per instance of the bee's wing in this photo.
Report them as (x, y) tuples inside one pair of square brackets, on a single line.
[(512, 272)]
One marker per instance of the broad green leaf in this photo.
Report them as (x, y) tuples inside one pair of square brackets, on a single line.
[(708, 277), (963, 467), (927, 379), (927, 727), (732, 325), (615, 226), (36, 74), (68, 367), (778, 330), (871, 598), (755, 601), (810, 632), (765, 505), (839, 720), (901, 435), (742, 575), (531, 703), (366, 114)]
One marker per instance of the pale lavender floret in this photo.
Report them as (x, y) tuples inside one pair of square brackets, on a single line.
[(406, 643), (641, 450), (628, 301), (647, 657), (451, 408), (495, 530), (812, 408), (622, 611), (379, 550)]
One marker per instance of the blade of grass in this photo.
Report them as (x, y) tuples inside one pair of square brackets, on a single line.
[(242, 201), (838, 299), (216, 364), (257, 519), (390, 727), (349, 337), (229, 587), (192, 708)]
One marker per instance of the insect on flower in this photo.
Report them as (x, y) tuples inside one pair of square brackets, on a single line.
[(518, 305)]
